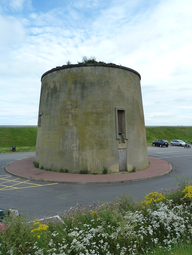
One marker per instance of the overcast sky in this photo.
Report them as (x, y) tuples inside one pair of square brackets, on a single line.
[(154, 37)]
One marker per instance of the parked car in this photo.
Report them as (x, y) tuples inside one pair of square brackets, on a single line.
[(177, 143), (161, 143)]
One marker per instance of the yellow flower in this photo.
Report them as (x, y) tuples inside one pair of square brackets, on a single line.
[(188, 191), (94, 213), (37, 235), (153, 197), (39, 229), (42, 227), (35, 223)]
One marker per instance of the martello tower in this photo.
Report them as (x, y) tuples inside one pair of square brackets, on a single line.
[(91, 117)]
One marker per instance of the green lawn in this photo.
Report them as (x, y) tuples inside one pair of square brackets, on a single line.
[(168, 133), (24, 138)]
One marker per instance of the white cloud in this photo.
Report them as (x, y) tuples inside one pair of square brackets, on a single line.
[(18, 5), (12, 31), (154, 39), (19, 101)]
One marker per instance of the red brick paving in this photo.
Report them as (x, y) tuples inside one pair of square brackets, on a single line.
[(25, 169)]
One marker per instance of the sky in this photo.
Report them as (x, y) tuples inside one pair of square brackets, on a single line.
[(153, 37)]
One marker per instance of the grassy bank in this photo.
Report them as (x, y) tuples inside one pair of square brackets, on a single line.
[(161, 225), (168, 133), (25, 137)]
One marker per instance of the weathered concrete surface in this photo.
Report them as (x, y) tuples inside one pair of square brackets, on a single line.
[(78, 119)]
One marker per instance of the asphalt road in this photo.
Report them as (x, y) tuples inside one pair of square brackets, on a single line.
[(39, 199)]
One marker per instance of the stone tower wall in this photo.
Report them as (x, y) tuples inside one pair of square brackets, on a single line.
[(78, 125)]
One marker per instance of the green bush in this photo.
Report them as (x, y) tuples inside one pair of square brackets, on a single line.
[(84, 171), (105, 170), (133, 170), (36, 164)]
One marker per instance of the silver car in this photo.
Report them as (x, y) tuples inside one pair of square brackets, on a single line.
[(178, 143)]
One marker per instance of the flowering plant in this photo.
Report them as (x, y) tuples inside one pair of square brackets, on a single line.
[(93, 213), (2, 227), (123, 226), (40, 228), (153, 197), (188, 192)]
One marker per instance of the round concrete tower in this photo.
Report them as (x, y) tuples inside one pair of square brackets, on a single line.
[(90, 118)]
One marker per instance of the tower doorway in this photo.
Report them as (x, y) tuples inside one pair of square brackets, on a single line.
[(122, 160)]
